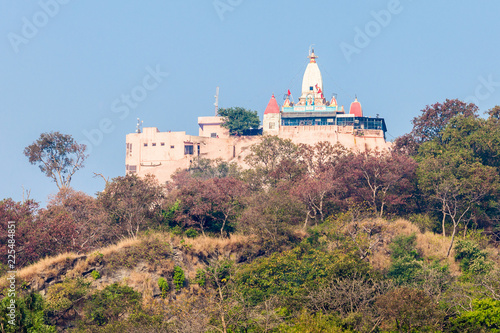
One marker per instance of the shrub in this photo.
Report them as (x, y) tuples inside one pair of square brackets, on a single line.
[(405, 259), (164, 286), (63, 296), (404, 270), (111, 303), (424, 222), (404, 246), (178, 277), (28, 315), (201, 277), (191, 233), (472, 259), (95, 274), (291, 273), (318, 322), (484, 317), (408, 310), (177, 230)]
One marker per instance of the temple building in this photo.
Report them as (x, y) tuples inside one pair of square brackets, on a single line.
[(311, 120)]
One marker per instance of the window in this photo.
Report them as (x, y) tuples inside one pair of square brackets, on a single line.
[(272, 125), (163, 143), (129, 149), (213, 135), (172, 147), (145, 145), (188, 150), (154, 144), (131, 168)]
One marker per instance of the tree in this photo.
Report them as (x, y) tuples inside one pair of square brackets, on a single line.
[(210, 204), (274, 160), (406, 144), (459, 171), (207, 168), (132, 202), (457, 185), (381, 178), (58, 156), (24, 215), (322, 183), (434, 118), (484, 317), (272, 215), (91, 224), (238, 120), (408, 310)]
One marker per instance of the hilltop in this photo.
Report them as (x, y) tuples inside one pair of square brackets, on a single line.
[(307, 239), (79, 291)]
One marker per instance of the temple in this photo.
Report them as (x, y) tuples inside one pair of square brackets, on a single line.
[(310, 120)]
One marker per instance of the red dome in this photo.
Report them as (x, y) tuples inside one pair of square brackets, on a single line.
[(356, 108), (272, 106)]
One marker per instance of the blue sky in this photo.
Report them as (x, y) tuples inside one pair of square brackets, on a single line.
[(65, 66)]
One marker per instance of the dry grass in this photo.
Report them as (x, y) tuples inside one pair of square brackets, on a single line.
[(93, 257), (52, 266), (435, 247), (432, 246), (208, 246), (123, 244), (141, 282), (380, 259), (48, 266)]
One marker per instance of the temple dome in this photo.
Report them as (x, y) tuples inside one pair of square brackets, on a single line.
[(356, 109), (272, 106), (312, 77)]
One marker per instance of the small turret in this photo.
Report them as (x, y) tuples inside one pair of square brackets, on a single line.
[(333, 102), (272, 118), (356, 109), (272, 106)]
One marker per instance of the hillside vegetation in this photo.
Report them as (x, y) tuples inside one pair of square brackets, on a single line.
[(309, 239)]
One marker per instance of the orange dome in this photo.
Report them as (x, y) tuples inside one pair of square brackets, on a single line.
[(356, 109), (272, 106)]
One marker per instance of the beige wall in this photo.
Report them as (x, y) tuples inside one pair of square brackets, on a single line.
[(162, 153), (271, 124), (210, 125), (370, 139), (162, 160)]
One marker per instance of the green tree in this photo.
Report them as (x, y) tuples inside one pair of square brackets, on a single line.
[(58, 156), (458, 172), (406, 262), (239, 119), (26, 315), (472, 259), (484, 317), (205, 168), (459, 186)]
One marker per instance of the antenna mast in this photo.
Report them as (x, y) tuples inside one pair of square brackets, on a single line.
[(311, 49), (216, 101), (139, 124)]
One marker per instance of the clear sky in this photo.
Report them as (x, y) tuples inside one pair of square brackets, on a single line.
[(69, 65)]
